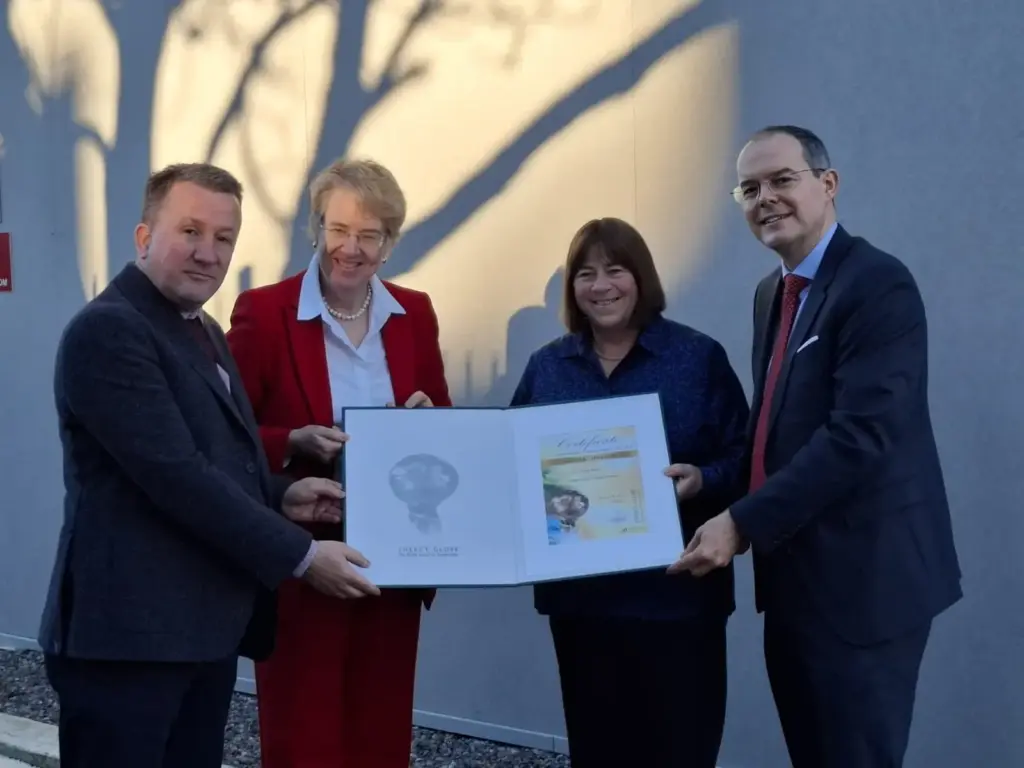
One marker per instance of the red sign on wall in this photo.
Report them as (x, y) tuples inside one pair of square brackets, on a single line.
[(6, 286)]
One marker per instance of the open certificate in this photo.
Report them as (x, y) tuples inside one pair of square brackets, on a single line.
[(507, 496)]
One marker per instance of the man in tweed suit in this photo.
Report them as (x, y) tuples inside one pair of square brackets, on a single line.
[(175, 533)]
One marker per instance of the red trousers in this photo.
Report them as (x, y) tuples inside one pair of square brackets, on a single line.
[(338, 690)]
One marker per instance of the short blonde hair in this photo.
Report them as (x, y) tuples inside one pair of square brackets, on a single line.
[(375, 185)]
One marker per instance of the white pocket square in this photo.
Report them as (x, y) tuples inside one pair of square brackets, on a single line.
[(806, 344)]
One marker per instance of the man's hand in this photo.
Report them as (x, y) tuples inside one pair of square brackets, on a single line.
[(689, 480), (323, 443), (417, 399), (332, 571), (313, 500), (714, 545)]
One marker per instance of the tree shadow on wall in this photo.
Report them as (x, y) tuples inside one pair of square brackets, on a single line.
[(140, 29), (37, 195), (350, 101)]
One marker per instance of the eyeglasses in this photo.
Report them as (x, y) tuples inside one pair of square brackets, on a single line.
[(367, 242), (749, 192)]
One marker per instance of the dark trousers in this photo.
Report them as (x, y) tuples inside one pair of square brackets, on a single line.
[(642, 693), (117, 714), (841, 705)]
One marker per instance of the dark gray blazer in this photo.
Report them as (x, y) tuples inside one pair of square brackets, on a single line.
[(171, 545)]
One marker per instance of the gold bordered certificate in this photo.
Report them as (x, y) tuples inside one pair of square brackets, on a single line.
[(503, 497)]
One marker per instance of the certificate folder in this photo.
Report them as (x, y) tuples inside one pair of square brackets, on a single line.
[(464, 497)]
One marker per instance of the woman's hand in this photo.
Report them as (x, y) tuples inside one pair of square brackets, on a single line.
[(315, 441), (689, 480), (417, 399)]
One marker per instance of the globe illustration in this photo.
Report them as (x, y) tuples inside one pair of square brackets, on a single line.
[(422, 482)]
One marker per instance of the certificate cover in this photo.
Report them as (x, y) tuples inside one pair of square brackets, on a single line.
[(509, 496)]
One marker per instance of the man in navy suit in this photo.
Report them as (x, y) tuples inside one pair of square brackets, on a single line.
[(847, 514), (175, 533)]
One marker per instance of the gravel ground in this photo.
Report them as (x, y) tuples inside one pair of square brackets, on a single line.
[(24, 692)]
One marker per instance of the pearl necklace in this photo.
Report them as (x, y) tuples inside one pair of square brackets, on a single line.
[(354, 316)]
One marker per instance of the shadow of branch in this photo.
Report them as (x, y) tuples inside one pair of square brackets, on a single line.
[(349, 101), (615, 79), (254, 66), (391, 77)]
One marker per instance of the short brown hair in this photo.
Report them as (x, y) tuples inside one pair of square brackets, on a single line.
[(622, 245), (207, 176), (376, 186)]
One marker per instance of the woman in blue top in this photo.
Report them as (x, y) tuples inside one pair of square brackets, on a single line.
[(641, 656)]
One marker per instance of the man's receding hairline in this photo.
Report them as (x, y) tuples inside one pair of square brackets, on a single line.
[(760, 136), (206, 176), (766, 135), (812, 146), (158, 205)]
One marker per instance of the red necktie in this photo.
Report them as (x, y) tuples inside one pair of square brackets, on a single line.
[(793, 284)]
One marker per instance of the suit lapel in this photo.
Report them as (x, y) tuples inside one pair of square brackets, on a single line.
[(816, 296), (238, 396), (309, 355), (766, 300), (809, 312), (164, 316), (241, 400), (208, 370), (765, 306), (399, 349)]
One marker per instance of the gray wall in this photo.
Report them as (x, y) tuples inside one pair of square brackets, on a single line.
[(921, 110)]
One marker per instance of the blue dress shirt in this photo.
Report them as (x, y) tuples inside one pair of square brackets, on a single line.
[(809, 266), (706, 414)]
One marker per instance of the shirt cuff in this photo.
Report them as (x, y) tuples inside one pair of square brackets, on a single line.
[(300, 571)]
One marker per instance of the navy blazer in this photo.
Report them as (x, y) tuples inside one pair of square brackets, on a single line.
[(706, 416), (169, 540), (852, 525)]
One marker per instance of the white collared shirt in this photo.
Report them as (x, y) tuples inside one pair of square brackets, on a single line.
[(359, 376)]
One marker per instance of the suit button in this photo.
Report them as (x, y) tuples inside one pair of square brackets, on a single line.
[(250, 468)]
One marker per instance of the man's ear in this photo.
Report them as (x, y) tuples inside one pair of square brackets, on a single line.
[(831, 179), (143, 236)]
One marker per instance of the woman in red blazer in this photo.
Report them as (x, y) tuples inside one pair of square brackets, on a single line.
[(338, 690)]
